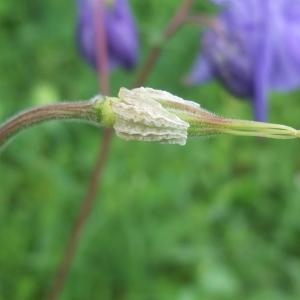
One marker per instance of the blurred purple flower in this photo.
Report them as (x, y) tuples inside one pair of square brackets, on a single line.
[(120, 30), (253, 47)]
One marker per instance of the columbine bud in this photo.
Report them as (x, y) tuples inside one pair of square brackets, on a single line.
[(120, 29)]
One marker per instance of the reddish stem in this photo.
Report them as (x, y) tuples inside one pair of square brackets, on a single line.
[(85, 211), (96, 179), (172, 28), (204, 21), (102, 157)]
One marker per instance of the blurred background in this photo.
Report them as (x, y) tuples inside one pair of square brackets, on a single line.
[(216, 219)]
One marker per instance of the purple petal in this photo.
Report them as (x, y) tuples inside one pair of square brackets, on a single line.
[(262, 78), (254, 48), (285, 74), (121, 33), (201, 72), (123, 38)]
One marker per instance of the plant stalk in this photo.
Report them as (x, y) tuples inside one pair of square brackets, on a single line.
[(82, 110)]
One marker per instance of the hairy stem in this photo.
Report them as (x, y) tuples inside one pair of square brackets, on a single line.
[(82, 110)]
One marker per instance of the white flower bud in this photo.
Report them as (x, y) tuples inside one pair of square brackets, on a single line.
[(140, 116)]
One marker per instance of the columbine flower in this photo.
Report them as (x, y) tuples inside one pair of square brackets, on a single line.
[(120, 30), (252, 48)]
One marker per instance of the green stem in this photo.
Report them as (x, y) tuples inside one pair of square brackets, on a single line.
[(207, 126), (203, 123), (252, 128)]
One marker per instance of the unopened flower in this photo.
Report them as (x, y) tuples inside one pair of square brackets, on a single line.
[(120, 31), (252, 48)]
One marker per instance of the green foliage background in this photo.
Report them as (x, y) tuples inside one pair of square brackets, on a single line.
[(216, 219)]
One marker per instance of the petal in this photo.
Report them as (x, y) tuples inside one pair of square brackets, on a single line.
[(256, 48), (121, 33), (123, 46), (85, 32), (285, 73), (263, 68)]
